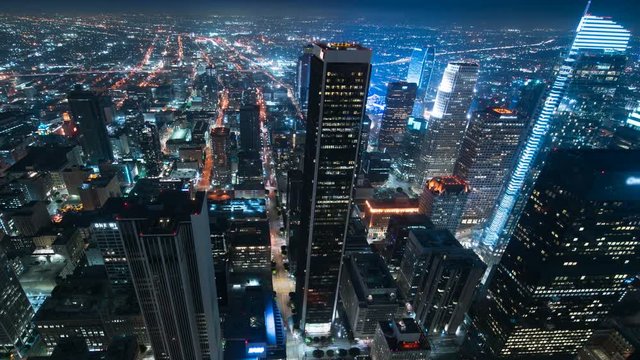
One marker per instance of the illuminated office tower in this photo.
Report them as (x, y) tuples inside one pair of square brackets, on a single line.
[(486, 159), (594, 34), (571, 257), (220, 144), (168, 249), (15, 311), (441, 145), (443, 199), (106, 235), (406, 164), (399, 104), (302, 77), (91, 112), (337, 94)]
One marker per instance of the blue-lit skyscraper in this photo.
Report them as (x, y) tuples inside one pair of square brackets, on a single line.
[(420, 72), (594, 34)]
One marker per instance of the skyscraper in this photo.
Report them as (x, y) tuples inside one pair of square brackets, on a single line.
[(487, 158), (168, 249), (302, 76), (406, 164), (337, 94), (89, 110), (250, 128), (399, 104), (441, 145), (421, 66), (594, 34), (443, 200), (438, 278), (151, 150), (16, 314), (572, 256), (585, 116), (220, 148)]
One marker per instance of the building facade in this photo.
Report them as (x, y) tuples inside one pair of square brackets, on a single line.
[(486, 159), (337, 94), (571, 258), (448, 121)]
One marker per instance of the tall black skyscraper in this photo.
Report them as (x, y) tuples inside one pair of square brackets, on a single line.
[(89, 110), (338, 85), (168, 249), (250, 128), (572, 255), (399, 104)]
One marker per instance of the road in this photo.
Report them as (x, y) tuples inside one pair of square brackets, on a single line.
[(283, 282)]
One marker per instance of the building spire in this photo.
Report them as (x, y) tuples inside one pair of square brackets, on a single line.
[(586, 9)]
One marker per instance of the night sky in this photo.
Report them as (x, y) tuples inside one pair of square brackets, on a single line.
[(524, 13)]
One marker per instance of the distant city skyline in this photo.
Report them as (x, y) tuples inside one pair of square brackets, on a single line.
[(493, 13)]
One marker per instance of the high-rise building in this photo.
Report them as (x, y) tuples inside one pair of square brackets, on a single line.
[(220, 148), (105, 233), (368, 293), (424, 83), (337, 95), (169, 240), (584, 117), (16, 314), (486, 159), (149, 141), (594, 34), (421, 67), (302, 77), (443, 200), (90, 112), (448, 121), (250, 128), (573, 254), (398, 108), (438, 278), (398, 230), (401, 339), (406, 164)]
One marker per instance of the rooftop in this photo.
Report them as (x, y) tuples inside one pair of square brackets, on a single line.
[(404, 335), (447, 185), (45, 158)]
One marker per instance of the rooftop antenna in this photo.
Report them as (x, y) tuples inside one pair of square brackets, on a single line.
[(586, 10)]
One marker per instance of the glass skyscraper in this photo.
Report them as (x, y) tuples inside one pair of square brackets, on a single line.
[(594, 34), (398, 107), (338, 85), (571, 258), (448, 121)]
